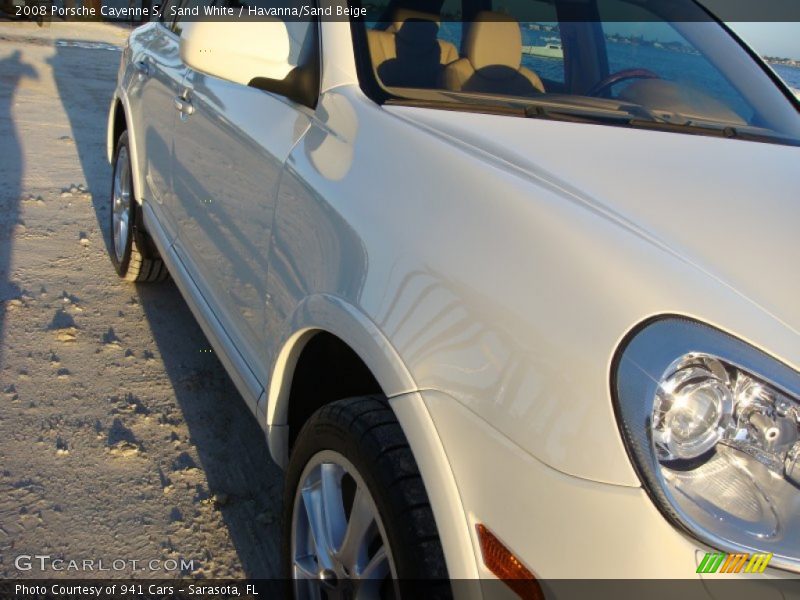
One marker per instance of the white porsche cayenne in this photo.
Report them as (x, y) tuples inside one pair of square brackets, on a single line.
[(499, 287)]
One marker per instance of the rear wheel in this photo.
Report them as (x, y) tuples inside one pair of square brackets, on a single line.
[(132, 253), (357, 520)]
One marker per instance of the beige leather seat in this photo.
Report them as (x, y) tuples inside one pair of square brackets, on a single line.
[(492, 62), (408, 53)]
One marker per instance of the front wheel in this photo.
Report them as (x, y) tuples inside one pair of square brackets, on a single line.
[(134, 258), (357, 520)]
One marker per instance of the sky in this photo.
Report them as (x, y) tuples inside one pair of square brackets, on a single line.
[(772, 39)]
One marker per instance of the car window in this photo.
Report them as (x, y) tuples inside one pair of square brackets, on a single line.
[(688, 75), (656, 48), (542, 50), (451, 27)]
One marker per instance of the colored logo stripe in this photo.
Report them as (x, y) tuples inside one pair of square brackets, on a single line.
[(758, 563), (710, 562), (722, 562), (734, 563)]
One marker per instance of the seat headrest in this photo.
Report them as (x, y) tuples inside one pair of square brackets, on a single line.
[(493, 39), (401, 15)]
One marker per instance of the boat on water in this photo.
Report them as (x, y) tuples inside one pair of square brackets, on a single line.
[(549, 50)]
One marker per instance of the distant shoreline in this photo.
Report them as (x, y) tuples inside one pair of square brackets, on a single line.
[(673, 46), (784, 62)]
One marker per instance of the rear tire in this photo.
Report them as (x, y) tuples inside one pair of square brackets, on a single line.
[(132, 252), (361, 444)]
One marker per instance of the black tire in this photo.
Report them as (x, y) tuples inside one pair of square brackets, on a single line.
[(366, 432), (139, 261)]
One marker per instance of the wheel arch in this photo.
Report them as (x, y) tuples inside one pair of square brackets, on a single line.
[(332, 316), (119, 121), (327, 320)]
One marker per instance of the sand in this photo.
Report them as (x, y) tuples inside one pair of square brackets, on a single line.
[(121, 436)]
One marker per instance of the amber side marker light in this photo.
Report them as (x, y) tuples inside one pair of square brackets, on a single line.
[(507, 567)]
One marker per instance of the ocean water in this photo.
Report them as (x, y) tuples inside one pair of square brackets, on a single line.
[(790, 75)]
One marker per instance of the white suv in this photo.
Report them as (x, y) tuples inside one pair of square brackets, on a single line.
[(499, 287)]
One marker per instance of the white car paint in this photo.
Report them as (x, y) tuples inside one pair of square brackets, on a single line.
[(486, 269)]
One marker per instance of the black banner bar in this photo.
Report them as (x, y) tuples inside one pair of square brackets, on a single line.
[(370, 10)]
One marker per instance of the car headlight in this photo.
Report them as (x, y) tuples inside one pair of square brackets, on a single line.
[(713, 428)]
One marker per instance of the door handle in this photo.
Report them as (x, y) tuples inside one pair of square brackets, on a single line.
[(142, 68), (184, 106)]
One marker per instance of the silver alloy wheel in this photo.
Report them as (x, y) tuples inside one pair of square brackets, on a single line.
[(338, 541), (121, 203)]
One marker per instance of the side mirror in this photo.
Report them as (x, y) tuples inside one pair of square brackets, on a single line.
[(253, 53)]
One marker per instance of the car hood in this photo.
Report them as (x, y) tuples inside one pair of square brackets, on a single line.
[(729, 207)]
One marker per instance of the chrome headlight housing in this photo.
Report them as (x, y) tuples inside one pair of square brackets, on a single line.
[(713, 428)]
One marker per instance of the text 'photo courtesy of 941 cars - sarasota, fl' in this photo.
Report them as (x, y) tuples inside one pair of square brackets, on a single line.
[(498, 290)]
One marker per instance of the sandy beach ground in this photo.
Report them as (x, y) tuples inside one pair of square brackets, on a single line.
[(121, 436)]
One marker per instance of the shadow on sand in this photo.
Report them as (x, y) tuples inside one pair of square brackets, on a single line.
[(12, 70), (231, 445)]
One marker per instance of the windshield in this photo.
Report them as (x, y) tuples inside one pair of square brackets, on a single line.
[(615, 62)]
